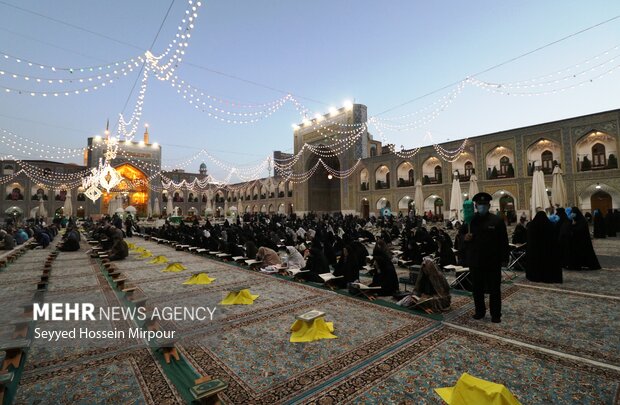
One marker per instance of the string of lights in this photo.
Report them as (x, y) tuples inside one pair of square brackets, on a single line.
[(77, 69), (551, 76), (499, 89)]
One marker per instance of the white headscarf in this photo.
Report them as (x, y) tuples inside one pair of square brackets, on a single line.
[(295, 259)]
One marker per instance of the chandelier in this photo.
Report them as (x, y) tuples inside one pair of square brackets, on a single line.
[(103, 176)]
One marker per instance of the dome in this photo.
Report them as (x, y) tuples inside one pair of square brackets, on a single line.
[(203, 166)]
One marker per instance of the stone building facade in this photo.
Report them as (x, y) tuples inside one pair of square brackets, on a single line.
[(337, 166)]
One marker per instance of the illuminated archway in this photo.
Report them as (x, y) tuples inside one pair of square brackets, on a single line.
[(133, 189)]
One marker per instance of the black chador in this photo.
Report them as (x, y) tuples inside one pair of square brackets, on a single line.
[(542, 261)]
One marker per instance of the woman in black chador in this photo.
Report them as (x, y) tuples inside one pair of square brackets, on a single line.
[(581, 253), (562, 232), (542, 262), (610, 224), (599, 225)]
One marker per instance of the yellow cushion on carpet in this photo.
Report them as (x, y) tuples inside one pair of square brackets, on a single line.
[(139, 249), (242, 297), (310, 331), (131, 245), (159, 260), (174, 268), (472, 390), (200, 278), (146, 254)]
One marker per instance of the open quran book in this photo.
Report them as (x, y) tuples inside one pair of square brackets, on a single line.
[(364, 286), (329, 276)]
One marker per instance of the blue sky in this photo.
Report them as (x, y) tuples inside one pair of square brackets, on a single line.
[(381, 54)]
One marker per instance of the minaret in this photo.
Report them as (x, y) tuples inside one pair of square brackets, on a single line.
[(107, 130), (146, 134)]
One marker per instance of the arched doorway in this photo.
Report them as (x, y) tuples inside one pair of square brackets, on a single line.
[(601, 200), (323, 188), (507, 207), (133, 189), (365, 208), (438, 205)]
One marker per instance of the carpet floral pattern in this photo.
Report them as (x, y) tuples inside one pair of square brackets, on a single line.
[(410, 374), (128, 378), (570, 323), (262, 366)]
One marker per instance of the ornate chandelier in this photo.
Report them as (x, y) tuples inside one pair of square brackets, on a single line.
[(103, 176)]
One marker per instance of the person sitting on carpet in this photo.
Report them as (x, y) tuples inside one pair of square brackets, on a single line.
[(295, 259), (119, 249), (431, 292), (269, 257), (316, 262), (71, 240), (7, 239), (250, 250), (347, 267), (385, 274)]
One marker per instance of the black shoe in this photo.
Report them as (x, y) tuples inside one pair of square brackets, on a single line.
[(496, 320), (478, 316)]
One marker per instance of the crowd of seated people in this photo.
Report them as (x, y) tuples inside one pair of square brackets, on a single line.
[(110, 238), (15, 234)]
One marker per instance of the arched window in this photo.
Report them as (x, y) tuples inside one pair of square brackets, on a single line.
[(598, 155), (438, 173), (547, 161), (469, 169), (410, 176), (504, 162)]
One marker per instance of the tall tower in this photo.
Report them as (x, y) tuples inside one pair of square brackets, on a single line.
[(146, 134)]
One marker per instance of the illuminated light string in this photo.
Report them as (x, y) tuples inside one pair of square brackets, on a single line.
[(224, 115), (177, 82), (203, 152), (228, 116), (167, 69), (38, 144), (56, 175), (423, 120), (507, 92), (71, 80), (179, 43), (330, 150), (10, 177), (565, 70), (57, 93), (403, 153), (301, 177), (509, 86), (103, 80), (377, 122), (450, 96), (136, 114), (76, 69), (450, 155)]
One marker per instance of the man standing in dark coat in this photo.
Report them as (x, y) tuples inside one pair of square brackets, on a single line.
[(488, 240)]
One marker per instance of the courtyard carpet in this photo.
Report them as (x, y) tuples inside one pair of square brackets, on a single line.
[(554, 345)]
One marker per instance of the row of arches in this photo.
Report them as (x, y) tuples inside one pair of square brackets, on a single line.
[(597, 196), (594, 151), (281, 190)]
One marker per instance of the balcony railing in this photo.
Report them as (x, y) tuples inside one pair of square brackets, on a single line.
[(405, 183), (382, 185)]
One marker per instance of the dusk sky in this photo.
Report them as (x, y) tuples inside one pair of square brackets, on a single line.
[(378, 53)]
